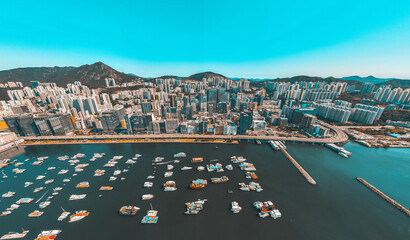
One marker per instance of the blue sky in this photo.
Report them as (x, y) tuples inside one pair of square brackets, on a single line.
[(266, 38)]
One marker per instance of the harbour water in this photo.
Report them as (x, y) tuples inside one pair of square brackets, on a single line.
[(338, 207)]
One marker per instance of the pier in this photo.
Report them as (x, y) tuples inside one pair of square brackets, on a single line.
[(384, 196), (300, 168)]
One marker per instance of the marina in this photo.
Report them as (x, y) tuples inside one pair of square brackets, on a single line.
[(271, 167)]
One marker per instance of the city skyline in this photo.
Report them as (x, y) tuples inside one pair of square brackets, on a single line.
[(264, 40)]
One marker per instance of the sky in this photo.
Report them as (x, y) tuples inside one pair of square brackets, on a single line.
[(253, 39)]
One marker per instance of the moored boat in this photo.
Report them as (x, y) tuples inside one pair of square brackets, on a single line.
[(222, 179), (45, 235), (147, 196), (128, 210), (78, 215), (198, 184), (36, 213), (197, 160), (15, 235), (235, 208), (63, 215), (83, 185)]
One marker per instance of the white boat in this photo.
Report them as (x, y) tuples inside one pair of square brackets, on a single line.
[(170, 167), (39, 177), (129, 161), (229, 167), (150, 177), (66, 180), (235, 208), (51, 168), (168, 174), (63, 215), (158, 159), (13, 207), (138, 155), (186, 168), (63, 171), (147, 196), (8, 194), (49, 181), (38, 189), (79, 169), (63, 158), (44, 204), (151, 217), (77, 197), (18, 164), (148, 184), (170, 186), (18, 170), (112, 178), (200, 168), (15, 235), (117, 172), (117, 157), (51, 234), (176, 161), (26, 184)]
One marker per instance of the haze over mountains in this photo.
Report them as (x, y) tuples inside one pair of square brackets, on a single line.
[(94, 76)]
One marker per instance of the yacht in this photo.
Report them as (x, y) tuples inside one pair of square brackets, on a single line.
[(129, 161), (117, 172), (63, 215), (179, 155), (147, 196), (8, 194), (200, 168), (168, 174), (5, 213), (186, 168), (170, 167), (128, 210), (62, 171), (148, 184), (26, 184), (150, 177), (66, 180), (77, 197), (151, 216), (15, 235), (235, 208), (229, 167), (44, 204), (112, 178), (18, 170), (170, 186), (38, 189), (49, 181), (78, 215), (51, 234), (39, 177), (195, 207), (36, 213), (51, 168)]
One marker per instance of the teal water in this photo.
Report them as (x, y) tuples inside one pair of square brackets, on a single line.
[(339, 207)]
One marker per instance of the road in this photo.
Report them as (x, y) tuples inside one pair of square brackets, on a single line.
[(339, 136)]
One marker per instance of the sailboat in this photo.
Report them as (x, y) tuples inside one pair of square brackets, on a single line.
[(63, 215), (4, 175)]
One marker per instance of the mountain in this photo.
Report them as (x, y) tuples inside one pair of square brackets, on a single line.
[(91, 75), (369, 79), (396, 83), (199, 76), (313, 79)]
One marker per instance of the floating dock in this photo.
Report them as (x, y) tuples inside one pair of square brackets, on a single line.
[(297, 165), (384, 196), (341, 151)]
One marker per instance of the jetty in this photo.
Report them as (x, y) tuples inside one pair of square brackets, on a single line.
[(280, 146), (300, 168), (384, 196)]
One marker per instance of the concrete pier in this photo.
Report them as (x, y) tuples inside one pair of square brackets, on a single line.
[(384, 196), (297, 165)]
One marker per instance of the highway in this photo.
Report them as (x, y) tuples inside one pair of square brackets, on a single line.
[(339, 136)]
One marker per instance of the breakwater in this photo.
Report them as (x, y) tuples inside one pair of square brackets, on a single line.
[(384, 196), (300, 168)]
